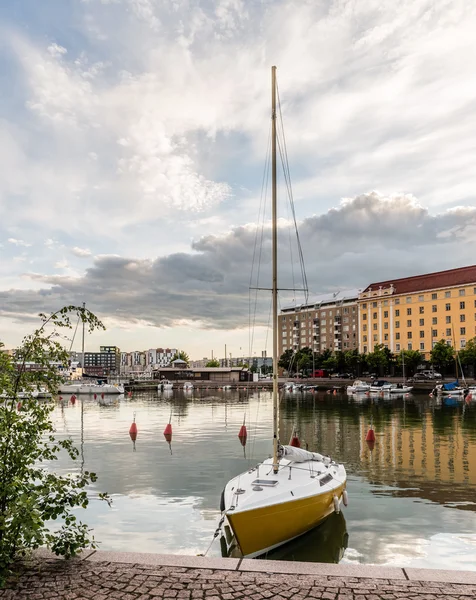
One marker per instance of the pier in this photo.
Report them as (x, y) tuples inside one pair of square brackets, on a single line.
[(124, 576)]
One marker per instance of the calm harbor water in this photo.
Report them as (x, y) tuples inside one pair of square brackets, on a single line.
[(412, 498)]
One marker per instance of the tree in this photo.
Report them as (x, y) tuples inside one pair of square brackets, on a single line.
[(287, 361), (181, 356), (31, 495), (442, 355), (212, 363), (378, 359), (467, 355), (410, 359)]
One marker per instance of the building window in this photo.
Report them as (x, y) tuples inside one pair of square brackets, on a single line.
[(364, 305), (448, 294), (422, 322), (397, 312), (448, 332), (434, 321), (409, 335), (422, 309), (448, 306), (375, 338), (434, 333), (365, 328), (421, 298), (385, 337), (422, 334), (365, 349), (409, 299), (434, 308), (462, 305), (397, 335), (374, 316), (385, 302), (364, 316), (374, 305), (462, 292), (385, 314), (434, 296), (409, 323), (448, 319), (365, 338), (422, 345), (385, 325), (410, 347), (462, 330), (397, 324), (463, 343), (397, 300), (397, 347), (462, 318), (375, 326), (409, 311)]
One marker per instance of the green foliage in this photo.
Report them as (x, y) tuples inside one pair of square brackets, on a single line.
[(182, 356), (212, 363), (467, 355), (442, 355), (31, 494), (409, 359), (379, 359), (287, 361)]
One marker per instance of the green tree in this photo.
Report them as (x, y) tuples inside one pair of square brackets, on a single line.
[(354, 361), (467, 355), (378, 360), (32, 495), (287, 361), (330, 363), (410, 359), (182, 356), (212, 363), (442, 355)]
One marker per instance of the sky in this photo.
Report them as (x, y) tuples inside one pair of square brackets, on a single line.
[(133, 143)]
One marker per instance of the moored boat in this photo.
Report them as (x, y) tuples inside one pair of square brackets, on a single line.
[(358, 387)]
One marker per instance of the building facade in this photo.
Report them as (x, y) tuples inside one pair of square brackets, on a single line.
[(329, 322), (413, 313), (105, 362)]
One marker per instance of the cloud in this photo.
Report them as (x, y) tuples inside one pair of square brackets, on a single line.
[(19, 242), (365, 239), (81, 252)]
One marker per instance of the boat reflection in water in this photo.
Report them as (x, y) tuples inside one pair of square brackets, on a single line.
[(325, 543)]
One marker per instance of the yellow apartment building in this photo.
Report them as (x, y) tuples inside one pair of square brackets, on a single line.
[(413, 313)]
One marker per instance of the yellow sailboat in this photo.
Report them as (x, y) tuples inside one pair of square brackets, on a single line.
[(295, 490)]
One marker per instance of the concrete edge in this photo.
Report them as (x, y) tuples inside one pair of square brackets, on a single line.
[(272, 566)]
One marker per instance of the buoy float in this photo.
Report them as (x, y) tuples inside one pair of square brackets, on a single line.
[(370, 437), (102, 395), (335, 392), (133, 429), (168, 429), (60, 398), (73, 399), (345, 498), (130, 394), (95, 396), (336, 504), (371, 445), (243, 434), (295, 440)]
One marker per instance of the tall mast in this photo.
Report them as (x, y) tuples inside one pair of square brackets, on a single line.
[(82, 345), (275, 270)]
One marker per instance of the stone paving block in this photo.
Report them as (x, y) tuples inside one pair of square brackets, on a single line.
[(466, 577), (166, 560)]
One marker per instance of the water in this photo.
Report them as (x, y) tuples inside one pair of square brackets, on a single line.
[(412, 498)]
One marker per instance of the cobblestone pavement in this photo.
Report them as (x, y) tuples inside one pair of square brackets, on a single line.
[(78, 580)]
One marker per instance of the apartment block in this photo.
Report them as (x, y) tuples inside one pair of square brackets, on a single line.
[(413, 313), (328, 321), (160, 357)]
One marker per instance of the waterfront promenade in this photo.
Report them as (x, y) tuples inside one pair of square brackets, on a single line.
[(123, 576)]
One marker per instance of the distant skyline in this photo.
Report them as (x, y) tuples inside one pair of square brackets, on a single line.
[(133, 139)]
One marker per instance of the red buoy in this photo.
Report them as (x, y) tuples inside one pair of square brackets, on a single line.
[(133, 429), (243, 433), (102, 395), (61, 398), (73, 399), (168, 437), (130, 394), (295, 440), (371, 445), (370, 437), (95, 396), (168, 429)]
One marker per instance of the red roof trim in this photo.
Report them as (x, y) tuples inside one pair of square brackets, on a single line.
[(429, 281)]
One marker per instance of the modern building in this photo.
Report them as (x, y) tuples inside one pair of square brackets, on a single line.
[(413, 313), (329, 321), (105, 362), (160, 357)]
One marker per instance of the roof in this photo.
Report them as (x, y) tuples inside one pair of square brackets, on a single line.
[(331, 298), (202, 369), (429, 281)]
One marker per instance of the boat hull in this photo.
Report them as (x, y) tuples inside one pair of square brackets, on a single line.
[(262, 529)]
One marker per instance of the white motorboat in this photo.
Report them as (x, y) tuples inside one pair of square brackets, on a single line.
[(450, 389), (400, 388), (188, 386), (165, 385), (358, 387), (291, 386), (91, 388), (379, 387), (293, 491)]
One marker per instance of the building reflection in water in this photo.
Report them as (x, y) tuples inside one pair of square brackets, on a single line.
[(422, 449)]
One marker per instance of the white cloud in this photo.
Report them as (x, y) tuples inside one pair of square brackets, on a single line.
[(61, 264), (19, 242), (81, 252)]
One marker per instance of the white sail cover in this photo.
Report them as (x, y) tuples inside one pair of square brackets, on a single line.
[(299, 455)]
